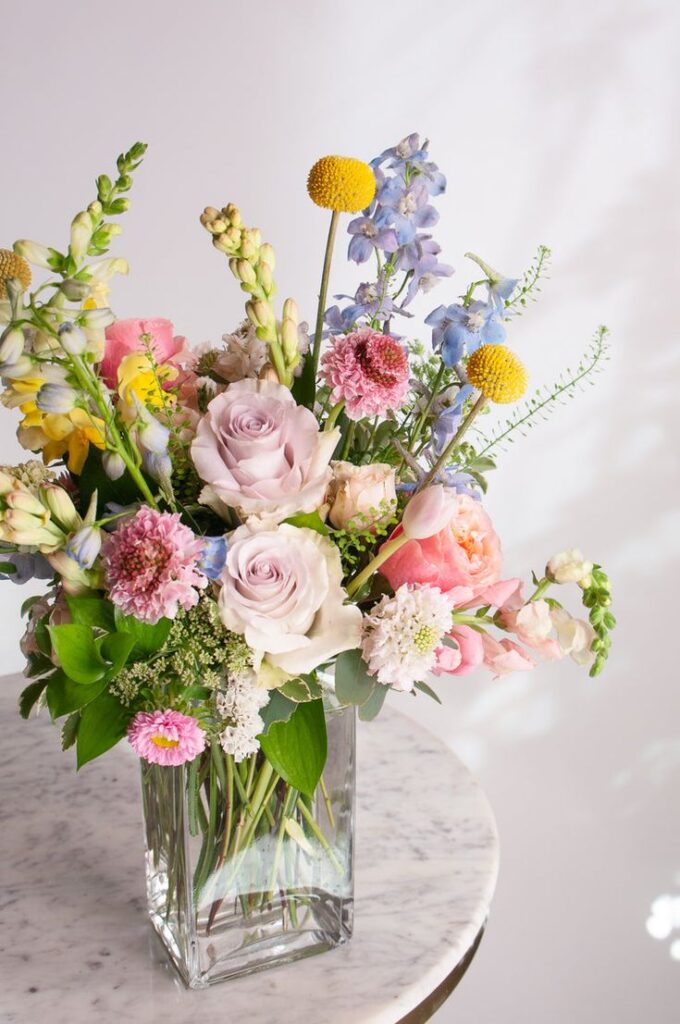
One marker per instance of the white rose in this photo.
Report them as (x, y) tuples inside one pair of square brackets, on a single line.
[(568, 567), (573, 635), (361, 492), (282, 590)]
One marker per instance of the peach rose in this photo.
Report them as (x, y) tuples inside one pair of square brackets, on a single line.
[(363, 493), (465, 553)]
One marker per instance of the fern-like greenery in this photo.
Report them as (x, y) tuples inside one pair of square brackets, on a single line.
[(529, 287), (546, 398)]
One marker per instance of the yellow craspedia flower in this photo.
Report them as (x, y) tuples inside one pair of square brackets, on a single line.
[(341, 183), (497, 372), (12, 265)]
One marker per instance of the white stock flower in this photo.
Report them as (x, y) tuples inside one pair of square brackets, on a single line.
[(568, 566), (573, 635), (282, 590), (402, 635)]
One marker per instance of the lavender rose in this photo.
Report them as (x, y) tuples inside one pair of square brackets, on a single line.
[(261, 453), (282, 590)]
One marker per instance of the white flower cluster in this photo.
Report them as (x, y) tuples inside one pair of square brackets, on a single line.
[(403, 633), (240, 705)]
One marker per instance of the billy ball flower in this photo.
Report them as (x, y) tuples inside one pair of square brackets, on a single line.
[(368, 371), (151, 565), (166, 737), (497, 372), (11, 266), (402, 635), (341, 183)]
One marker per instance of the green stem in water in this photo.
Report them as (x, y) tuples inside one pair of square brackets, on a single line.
[(453, 443), (309, 818)]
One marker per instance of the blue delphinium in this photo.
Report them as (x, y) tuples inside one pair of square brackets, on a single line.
[(448, 420), (394, 229), (214, 557), (26, 565), (458, 330)]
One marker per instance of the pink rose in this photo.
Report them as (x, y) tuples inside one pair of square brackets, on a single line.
[(505, 656), (464, 657), (124, 337), (465, 553), (261, 453)]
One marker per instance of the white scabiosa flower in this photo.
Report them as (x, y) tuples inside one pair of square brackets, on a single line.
[(401, 636), (240, 707)]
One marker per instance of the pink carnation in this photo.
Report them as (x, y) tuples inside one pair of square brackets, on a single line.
[(125, 337), (165, 737), (366, 370), (151, 565)]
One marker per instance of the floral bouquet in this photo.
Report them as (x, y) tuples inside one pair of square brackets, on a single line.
[(243, 542)]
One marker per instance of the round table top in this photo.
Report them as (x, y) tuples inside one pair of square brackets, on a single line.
[(76, 944)]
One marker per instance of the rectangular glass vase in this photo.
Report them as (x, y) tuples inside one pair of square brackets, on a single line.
[(244, 872)]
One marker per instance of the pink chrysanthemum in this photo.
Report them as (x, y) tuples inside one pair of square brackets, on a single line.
[(151, 565), (368, 370), (165, 737)]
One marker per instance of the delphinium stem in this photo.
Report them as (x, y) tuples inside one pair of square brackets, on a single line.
[(453, 443)]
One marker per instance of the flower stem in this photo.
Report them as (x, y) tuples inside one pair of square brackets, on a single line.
[(309, 818), (386, 551), (540, 589), (453, 443), (321, 309), (333, 415)]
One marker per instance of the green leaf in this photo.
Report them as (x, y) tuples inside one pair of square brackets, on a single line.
[(28, 604), (371, 708), (64, 696), (77, 652), (148, 638), (424, 688), (102, 725), (353, 685), (30, 696), (297, 749), (123, 491), (38, 665), (279, 709), (302, 689), (8, 567), (91, 611), (116, 648), (69, 730), (310, 521)]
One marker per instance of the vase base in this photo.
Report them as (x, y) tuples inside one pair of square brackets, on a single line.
[(305, 923)]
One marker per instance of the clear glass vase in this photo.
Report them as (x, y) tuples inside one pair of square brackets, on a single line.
[(243, 872)]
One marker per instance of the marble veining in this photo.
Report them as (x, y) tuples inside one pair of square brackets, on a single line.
[(75, 941)]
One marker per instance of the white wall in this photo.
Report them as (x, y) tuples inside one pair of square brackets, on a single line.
[(556, 122)]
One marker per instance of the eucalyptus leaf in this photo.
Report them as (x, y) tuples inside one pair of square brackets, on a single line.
[(372, 707), (353, 685)]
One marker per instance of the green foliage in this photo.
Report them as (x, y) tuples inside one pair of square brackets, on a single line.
[(77, 652), (546, 399), (353, 685), (88, 610), (371, 708), (302, 689), (64, 696), (364, 534), (279, 709), (529, 287), (597, 599), (147, 637), (424, 688), (297, 748), (102, 724), (30, 696), (310, 521), (69, 730)]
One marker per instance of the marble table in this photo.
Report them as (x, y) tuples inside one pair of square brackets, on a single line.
[(75, 944)]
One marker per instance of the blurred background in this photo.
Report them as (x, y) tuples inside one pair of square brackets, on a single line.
[(556, 123)]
